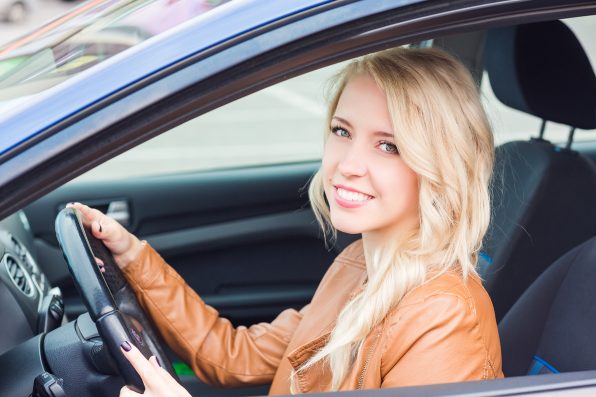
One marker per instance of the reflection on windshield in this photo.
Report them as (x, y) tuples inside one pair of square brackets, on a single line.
[(88, 35)]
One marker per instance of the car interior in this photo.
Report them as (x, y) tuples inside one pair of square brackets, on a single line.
[(543, 194), (253, 254)]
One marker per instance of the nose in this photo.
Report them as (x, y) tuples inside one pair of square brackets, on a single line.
[(352, 163)]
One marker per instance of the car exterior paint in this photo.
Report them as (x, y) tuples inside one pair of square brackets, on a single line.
[(146, 59), (154, 55)]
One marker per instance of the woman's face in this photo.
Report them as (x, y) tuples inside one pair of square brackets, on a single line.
[(369, 187)]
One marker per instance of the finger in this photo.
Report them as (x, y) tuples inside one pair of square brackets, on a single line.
[(100, 264), (155, 361), (97, 229), (126, 392), (166, 376), (78, 206), (106, 228), (143, 367), (89, 214)]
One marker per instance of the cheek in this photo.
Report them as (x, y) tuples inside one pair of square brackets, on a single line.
[(400, 184), (411, 189)]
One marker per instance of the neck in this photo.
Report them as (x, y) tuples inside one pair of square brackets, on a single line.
[(377, 240), (372, 242)]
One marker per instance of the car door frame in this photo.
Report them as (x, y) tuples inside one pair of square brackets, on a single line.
[(129, 118)]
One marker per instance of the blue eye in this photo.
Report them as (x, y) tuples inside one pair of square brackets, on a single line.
[(341, 132), (388, 147)]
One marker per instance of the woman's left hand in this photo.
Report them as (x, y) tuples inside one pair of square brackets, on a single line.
[(158, 382)]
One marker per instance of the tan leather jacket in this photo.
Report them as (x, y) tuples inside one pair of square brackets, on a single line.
[(443, 331)]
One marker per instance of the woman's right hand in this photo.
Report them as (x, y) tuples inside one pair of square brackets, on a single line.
[(125, 247)]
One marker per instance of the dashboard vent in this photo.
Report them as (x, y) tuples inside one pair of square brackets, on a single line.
[(18, 275), (22, 253), (17, 246)]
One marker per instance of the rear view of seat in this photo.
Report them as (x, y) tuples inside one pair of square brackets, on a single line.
[(544, 197)]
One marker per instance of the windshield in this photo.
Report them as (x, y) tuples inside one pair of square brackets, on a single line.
[(88, 35)]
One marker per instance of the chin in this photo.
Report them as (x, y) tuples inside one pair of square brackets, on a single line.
[(348, 227)]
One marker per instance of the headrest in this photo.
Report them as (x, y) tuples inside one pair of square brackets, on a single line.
[(542, 69)]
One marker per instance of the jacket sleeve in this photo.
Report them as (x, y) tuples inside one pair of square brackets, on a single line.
[(219, 354), (435, 341)]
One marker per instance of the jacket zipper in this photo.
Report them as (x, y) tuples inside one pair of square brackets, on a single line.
[(366, 362)]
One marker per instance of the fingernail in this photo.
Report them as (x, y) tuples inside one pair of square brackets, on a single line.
[(99, 227), (158, 362), (126, 346)]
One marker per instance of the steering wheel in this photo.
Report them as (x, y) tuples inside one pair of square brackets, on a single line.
[(108, 297)]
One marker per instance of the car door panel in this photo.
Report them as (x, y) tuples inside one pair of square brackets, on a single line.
[(244, 239)]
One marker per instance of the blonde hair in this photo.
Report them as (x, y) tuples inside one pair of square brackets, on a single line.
[(443, 135)]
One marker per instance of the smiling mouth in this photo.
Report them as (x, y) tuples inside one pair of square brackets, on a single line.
[(350, 195)]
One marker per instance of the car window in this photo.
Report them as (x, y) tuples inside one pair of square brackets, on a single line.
[(284, 123), (510, 124), (88, 35), (280, 124)]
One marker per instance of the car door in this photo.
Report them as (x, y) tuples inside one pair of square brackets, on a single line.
[(170, 225), (249, 254), (225, 208)]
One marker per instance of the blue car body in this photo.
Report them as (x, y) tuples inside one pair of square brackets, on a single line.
[(147, 59)]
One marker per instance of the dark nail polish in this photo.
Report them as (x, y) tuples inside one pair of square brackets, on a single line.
[(126, 346), (158, 362), (100, 227)]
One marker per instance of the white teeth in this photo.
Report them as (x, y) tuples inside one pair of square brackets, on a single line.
[(352, 196)]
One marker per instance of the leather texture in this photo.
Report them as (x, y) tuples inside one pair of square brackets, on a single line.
[(443, 331)]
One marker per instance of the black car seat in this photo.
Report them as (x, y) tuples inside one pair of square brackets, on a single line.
[(551, 327), (544, 196)]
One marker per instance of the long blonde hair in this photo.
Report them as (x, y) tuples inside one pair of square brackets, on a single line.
[(444, 136)]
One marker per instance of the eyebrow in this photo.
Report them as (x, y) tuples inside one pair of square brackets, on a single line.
[(378, 133)]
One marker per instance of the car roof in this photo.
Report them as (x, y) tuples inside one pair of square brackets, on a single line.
[(217, 26)]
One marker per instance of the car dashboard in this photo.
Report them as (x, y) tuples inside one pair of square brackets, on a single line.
[(28, 304)]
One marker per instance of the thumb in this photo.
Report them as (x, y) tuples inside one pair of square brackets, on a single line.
[(126, 392)]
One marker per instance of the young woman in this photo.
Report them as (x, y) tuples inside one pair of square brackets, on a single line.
[(407, 163)]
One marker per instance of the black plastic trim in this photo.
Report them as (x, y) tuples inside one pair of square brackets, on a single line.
[(20, 365)]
